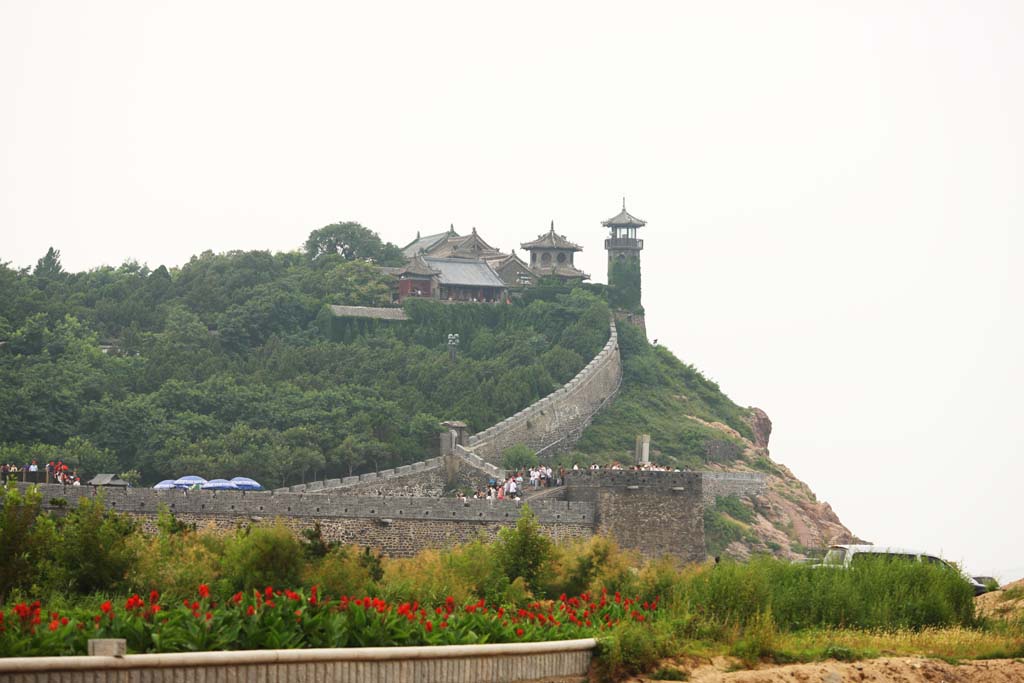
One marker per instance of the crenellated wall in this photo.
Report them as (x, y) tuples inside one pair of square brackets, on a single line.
[(556, 422)]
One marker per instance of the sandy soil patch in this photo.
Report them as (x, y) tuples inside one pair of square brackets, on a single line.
[(1000, 605), (895, 669)]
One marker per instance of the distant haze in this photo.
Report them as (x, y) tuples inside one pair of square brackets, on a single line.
[(834, 191)]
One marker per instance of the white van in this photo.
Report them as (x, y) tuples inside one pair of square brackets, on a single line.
[(845, 556)]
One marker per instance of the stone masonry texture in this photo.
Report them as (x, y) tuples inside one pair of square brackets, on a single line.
[(653, 513)]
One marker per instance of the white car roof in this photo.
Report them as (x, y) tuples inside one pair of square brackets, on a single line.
[(886, 549)]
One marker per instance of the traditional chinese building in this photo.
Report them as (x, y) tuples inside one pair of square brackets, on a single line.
[(551, 255)]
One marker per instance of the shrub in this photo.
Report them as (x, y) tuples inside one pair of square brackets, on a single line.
[(94, 553), (519, 457), (174, 561), (24, 538), (524, 550), (340, 572), (262, 556)]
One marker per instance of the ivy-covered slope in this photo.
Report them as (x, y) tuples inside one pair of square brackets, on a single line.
[(694, 425)]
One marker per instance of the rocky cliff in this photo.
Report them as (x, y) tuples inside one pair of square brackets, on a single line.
[(787, 520)]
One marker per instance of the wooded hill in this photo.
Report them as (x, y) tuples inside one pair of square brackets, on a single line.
[(231, 365)]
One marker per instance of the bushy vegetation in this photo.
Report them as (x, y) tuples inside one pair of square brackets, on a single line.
[(658, 392), (231, 365), (765, 609)]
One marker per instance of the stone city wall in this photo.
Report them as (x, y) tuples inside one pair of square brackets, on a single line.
[(396, 526), (732, 484), (556, 422)]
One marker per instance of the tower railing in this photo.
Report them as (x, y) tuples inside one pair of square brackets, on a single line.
[(623, 243)]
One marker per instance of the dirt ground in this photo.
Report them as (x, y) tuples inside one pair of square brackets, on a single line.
[(996, 604), (896, 669)]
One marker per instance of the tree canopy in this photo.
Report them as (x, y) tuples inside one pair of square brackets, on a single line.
[(231, 365)]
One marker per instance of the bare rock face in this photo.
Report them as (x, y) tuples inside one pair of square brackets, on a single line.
[(786, 520), (761, 425)]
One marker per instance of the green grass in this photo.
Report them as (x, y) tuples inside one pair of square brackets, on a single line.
[(658, 392)]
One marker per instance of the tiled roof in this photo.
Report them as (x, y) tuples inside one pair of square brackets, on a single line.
[(369, 312), (464, 272), (423, 243), (624, 220), (416, 266), (560, 270), (551, 240)]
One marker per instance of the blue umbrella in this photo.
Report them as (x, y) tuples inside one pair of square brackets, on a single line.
[(247, 484), (219, 485), (165, 484), (189, 481)]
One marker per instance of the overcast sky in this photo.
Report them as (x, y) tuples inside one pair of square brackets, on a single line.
[(834, 190)]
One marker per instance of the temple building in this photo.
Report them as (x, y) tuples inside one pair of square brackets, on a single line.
[(551, 255), (450, 279), (509, 268)]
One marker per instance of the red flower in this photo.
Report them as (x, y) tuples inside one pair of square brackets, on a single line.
[(204, 590), (429, 626), (237, 597), (105, 607), (54, 625), (250, 611), (63, 621), (153, 597), (268, 591), (520, 632), (209, 616)]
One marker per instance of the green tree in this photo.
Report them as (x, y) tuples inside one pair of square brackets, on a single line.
[(93, 553), (25, 538), (524, 551), (519, 457), (350, 241)]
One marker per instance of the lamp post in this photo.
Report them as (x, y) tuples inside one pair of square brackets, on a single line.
[(453, 345)]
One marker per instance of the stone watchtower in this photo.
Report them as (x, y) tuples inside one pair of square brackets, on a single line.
[(624, 266)]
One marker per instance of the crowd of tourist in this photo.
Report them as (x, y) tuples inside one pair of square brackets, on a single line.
[(644, 467), (54, 472), (516, 484)]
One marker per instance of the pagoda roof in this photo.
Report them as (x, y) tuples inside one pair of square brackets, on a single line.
[(624, 220), (425, 243), (503, 259), (566, 270), (551, 240), (456, 271), (469, 246), (417, 266)]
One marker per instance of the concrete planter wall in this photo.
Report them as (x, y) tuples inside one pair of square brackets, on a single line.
[(502, 663)]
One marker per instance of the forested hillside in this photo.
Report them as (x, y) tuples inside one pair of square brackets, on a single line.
[(227, 365)]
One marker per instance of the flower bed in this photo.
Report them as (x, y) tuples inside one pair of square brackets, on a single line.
[(283, 619)]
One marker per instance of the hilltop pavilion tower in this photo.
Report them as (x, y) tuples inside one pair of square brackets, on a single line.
[(624, 249)]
